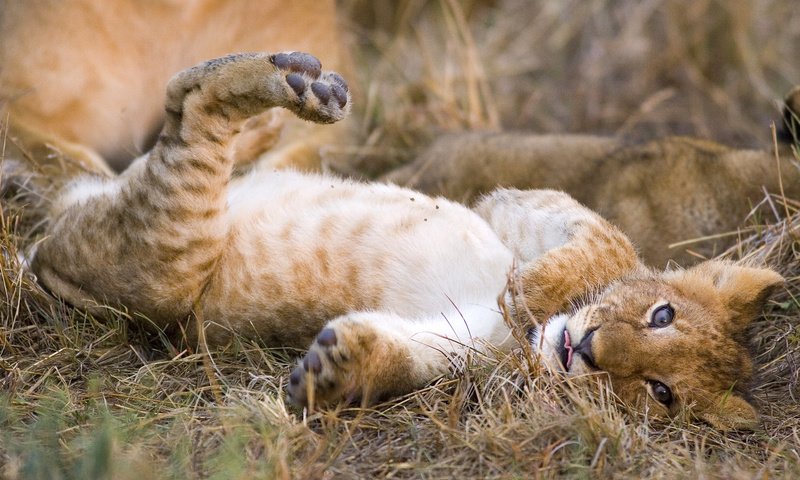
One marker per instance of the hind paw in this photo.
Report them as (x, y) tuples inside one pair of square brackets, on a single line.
[(239, 86), (321, 96), (355, 357)]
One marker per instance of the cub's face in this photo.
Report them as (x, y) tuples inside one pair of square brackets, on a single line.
[(671, 340)]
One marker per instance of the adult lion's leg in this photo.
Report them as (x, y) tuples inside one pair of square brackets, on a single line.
[(149, 239)]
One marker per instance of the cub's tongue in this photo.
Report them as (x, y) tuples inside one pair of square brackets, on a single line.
[(568, 347)]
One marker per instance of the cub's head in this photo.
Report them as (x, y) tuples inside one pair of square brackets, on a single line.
[(674, 339)]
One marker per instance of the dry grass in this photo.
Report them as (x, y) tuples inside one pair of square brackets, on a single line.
[(641, 70), (85, 399)]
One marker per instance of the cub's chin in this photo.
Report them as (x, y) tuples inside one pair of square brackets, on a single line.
[(549, 341)]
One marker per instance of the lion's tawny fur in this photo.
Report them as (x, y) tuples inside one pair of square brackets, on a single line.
[(388, 285), (85, 78), (660, 193)]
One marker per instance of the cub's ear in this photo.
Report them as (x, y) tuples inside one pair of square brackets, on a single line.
[(743, 290), (731, 412), (789, 132), (791, 105)]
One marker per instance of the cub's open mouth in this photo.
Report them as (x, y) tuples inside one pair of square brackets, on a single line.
[(565, 350)]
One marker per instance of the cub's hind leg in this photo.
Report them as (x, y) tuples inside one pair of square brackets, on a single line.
[(149, 239)]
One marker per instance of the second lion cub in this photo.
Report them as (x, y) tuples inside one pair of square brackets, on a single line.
[(660, 193), (385, 284)]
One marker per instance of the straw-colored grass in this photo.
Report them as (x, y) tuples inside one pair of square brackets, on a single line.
[(80, 398), (637, 69)]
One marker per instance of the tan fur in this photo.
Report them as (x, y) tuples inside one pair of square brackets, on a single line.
[(168, 230), (387, 284), (84, 78), (661, 193), (549, 278), (714, 304)]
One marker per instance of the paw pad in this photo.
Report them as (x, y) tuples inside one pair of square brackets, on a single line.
[(338, 88), (327, 337), (325, 366), (296, 376), (296, 82), (340, 94), (321, 91), (338, 80), (298, 62), (312, 362), (305, 73)]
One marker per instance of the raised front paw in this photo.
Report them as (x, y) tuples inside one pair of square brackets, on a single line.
[(326, 373)]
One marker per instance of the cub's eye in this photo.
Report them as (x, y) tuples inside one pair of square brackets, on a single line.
[(661, 392), (662, 316)]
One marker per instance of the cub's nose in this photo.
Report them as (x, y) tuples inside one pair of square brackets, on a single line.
[(584, 348)]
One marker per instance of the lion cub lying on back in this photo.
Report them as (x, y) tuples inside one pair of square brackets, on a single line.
[(384, 283)]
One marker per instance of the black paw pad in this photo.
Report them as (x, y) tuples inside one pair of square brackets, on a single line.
[(296, 376), (312, 362), (338, 80), (340, 94), (321, 91), (281, 61), (296, 82), (298, 62), (327, 337)]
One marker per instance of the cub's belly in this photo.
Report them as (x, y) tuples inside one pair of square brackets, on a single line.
[(310, 254)]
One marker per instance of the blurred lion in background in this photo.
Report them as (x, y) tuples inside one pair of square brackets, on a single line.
[(83, 81), (660, 193)]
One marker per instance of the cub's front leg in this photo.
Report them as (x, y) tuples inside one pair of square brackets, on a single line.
[(366, 356), (375, 355), (564, 250), (149, 239)]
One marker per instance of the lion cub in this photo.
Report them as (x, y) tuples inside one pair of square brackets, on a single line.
[(661, 193), (385, 284)]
